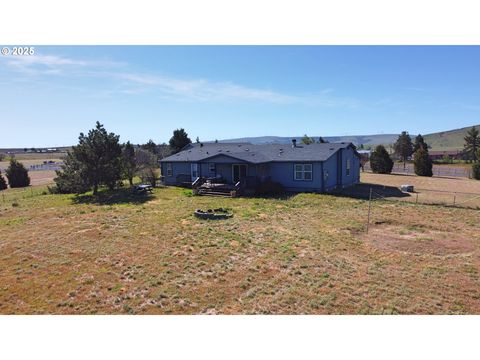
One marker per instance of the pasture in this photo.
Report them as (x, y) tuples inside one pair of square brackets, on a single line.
[(302, 254)]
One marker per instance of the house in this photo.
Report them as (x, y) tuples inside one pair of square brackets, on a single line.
[(298, 168)]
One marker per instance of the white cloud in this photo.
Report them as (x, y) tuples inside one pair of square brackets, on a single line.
[(167, 87)]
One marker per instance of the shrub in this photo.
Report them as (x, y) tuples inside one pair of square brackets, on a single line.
[(380, 161), (422, 163), (476, 171), (17, 175), (3, 182)]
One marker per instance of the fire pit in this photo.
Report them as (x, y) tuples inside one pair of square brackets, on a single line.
[(215, 214)]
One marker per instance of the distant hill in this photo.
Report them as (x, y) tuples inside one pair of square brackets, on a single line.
[(445, 140), (366, 140), (448, 140)]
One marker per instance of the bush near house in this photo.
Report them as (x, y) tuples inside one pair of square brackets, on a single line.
[(380, 161), (422, 163), (17, 175)]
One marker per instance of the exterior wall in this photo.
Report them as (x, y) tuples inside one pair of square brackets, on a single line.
[(177, 169), (283, 173), (354, 176), (330, 173)]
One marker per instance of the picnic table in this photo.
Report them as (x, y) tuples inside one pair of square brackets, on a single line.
[(143, 189)]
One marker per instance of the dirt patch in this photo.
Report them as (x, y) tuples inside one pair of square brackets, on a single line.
[(418, 241)]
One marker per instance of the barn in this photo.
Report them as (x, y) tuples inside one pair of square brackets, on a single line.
[(297, 167)]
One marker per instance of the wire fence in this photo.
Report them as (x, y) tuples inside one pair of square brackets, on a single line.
[(420, 196), (438, 170)]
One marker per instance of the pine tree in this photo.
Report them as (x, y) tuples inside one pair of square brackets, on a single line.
[(17, 175), (419, 142), (472, 144), (150, 146), (422, 163), (3, 182), (404, 147), (129, 165), (380, 161), (95, 161), (307, 140), (179, 140)]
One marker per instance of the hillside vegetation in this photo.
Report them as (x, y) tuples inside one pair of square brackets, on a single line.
[(445, 140), (448, 140)]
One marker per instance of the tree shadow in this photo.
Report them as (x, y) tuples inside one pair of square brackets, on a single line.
[(362, 191), (113, 197)]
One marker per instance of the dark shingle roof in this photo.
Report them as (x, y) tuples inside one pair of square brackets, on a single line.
[(257, 154)]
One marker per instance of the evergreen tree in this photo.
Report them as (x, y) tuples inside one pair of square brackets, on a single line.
[(422, 162), (3, 182), (17, 175), (70, 179), (129, 165), (197, 140), (179, 140), (476, 171), (95, 161), (150, 146), (472, 144), (403, 147), (307, 140), (419, 142), (380, 161)]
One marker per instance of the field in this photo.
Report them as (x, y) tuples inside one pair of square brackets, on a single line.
[(429, 190), (303, 254)]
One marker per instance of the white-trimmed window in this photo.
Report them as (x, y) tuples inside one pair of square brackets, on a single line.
[(211, 168), (348, 167), (169, 169), (303, 172)]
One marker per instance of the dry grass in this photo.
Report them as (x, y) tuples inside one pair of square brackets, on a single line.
[(432, 190), (306, 254)]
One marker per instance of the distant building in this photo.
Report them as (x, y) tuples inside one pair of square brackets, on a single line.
[(452, 154)]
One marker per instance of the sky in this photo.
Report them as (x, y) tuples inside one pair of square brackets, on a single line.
[(221, 92)]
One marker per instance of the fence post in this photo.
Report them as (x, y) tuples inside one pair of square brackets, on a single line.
[(416, 200), (369, 209), (454, 199)]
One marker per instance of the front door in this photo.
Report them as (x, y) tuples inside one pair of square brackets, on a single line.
[(194, 171), (239, 172)]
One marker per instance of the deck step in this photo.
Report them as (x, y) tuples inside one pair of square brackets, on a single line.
[(215, 193)]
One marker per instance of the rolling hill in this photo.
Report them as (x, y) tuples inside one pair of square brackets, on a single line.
[(445, 140)]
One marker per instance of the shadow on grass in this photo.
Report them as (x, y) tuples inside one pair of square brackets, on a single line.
[(112, 197), (362, 191)]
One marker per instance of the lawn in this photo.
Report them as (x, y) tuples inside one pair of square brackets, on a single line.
[(304, 254)]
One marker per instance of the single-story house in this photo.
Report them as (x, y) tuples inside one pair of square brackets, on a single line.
[(298, 168)]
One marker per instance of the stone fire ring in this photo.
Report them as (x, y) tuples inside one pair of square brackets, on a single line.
[(215, 214)]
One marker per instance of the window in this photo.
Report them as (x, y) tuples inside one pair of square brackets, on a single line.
[(169, 170), (303, 172), (348, 167), (211, 167)]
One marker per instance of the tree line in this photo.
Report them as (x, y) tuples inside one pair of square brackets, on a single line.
[(99, 159), (381, 162)]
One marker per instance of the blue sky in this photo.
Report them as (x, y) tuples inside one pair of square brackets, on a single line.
[(218, 92)]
